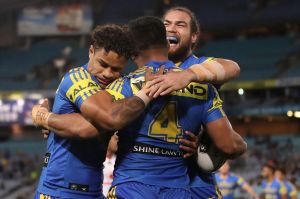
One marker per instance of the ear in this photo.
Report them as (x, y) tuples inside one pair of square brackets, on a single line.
[(91, 52), (194, 38)]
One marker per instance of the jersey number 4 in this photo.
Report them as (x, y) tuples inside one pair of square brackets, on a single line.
[(165, 124)]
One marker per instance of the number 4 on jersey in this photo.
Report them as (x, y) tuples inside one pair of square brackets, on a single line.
[(165, 124)]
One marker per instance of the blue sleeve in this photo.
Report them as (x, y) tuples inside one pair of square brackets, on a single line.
[(120, 88), (77, 86), (213, 107), (203, 59)]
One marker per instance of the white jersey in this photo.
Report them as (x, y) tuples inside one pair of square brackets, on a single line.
[(108, 173)]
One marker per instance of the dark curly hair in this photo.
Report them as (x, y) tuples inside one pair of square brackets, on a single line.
[(115, 38)]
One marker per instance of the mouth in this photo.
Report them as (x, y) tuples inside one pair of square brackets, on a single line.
[(173, 40), (104, 82)]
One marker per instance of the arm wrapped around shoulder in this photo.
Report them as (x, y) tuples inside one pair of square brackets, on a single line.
[(216, 70)]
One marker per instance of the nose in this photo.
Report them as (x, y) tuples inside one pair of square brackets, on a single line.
[(171, 28), (108, 74)]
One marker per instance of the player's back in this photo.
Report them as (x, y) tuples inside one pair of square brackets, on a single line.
[(148, 149), (72, 168)]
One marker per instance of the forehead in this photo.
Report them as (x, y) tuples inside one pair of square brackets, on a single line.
[(110, 57), (176, 15)]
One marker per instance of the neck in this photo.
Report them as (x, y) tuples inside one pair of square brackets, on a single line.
[(180, 58), (224, 175), (270, 178), (151, 55)]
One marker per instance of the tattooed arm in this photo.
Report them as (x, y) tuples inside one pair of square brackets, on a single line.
[(98, 113), (107, 114)]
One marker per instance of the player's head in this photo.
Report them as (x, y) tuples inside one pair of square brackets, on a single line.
[(280, 173), (268, 170), (224, 170), (111, 47), (183, 32), (150, 38)]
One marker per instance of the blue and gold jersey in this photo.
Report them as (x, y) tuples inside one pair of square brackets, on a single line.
[(274, 189), (229, 184), (291, 189), (73, 168), (148, 149), (198, 178)]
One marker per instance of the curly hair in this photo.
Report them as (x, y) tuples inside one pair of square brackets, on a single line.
[(115, 38)]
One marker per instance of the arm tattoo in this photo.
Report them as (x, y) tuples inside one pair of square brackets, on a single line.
[(126, 110)]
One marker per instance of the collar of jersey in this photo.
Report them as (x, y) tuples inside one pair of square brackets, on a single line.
[(156, 64)]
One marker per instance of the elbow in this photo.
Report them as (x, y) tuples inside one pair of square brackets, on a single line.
[(236, 69), (111, 124), (234, 149), (84, 133)]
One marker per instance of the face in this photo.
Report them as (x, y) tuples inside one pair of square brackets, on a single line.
[(224, 169), (279, 175), (266, 172), (105, 66), (179, 34)]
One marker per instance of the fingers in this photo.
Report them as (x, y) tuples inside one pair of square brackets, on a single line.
[(45, 104), (161, 70), (148, 75), (188, 151), (156, 80), (45, 133), (191, 144), (191, 135), (153, 90)]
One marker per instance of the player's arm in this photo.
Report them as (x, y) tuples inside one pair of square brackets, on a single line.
[(215, 71), (71, 126), (98, 107), (244, 185), (226, 139)]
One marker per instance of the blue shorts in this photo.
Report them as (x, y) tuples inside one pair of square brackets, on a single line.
[(139, 190), (206, 192)]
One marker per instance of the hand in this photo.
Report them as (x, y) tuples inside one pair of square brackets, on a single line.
[(170, 82), (150, 76), (151, 86), (45, 133), (189, 146), (40, 114)]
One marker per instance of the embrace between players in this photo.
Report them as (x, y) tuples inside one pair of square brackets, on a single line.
[(157, 110)]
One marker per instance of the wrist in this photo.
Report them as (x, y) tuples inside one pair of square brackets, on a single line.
[(143, 96), (191, 75), (40, 116)]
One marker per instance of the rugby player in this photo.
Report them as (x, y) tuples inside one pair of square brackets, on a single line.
[(281, 177), (228, 182), (119, 85), (272, 188), (73, 168), (183, 33), (149, 163)]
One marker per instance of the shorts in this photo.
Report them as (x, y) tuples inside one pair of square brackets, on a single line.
[(139, 190), (207, 192)]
